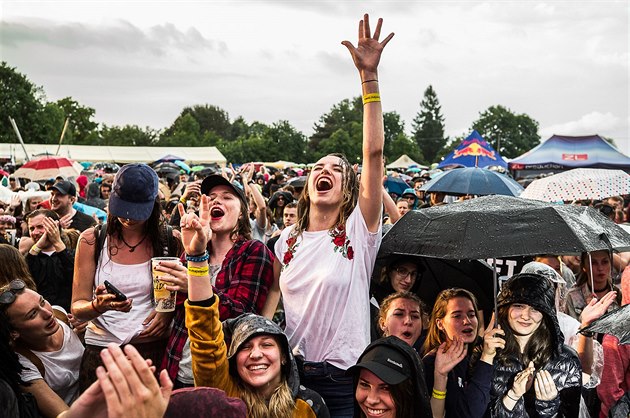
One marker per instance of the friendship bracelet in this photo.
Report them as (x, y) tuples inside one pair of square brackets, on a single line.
[(508, 395), (371, 97), (198, 258), (94, 307), (368, 81), (36, 249), (438, 394)]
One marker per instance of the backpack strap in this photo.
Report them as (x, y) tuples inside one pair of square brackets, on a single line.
[(100, 233), (32, 357), (62, 316)]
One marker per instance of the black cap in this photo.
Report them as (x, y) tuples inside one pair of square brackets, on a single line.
[(65, 187), (218, 180), (387, 363)]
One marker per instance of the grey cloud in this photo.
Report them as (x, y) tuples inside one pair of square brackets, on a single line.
[(121, 35)]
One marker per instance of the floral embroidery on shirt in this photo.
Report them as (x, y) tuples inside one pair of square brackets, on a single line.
[(341, 241), (292, 246)]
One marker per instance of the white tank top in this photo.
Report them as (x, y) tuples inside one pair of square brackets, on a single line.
[(136, 282)]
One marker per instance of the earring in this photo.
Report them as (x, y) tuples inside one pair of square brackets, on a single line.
[(283, 362)]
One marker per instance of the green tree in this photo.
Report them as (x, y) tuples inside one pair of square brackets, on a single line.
[(128, 135), (81, 128), (21, 100), (50, 123), (184, 132), (402, 144), (509, 133), (288, 143), (342, 116), (393, 128), (211, 119), (428, 126)]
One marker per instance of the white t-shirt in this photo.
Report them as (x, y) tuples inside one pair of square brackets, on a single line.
[(325, 291), (61, 367)]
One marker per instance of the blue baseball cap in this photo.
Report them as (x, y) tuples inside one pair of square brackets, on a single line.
[(134, 192)]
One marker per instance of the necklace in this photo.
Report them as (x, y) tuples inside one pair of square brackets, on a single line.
[(132, 248)]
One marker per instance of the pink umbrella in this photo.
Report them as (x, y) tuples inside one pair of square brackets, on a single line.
[(48, 167)]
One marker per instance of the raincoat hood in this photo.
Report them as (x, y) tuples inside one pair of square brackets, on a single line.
[(536, 291), (411, 366), (246, 326)]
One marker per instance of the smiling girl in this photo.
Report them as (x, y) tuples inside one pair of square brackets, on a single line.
[(536, 374), (461, 387), (258, 367)]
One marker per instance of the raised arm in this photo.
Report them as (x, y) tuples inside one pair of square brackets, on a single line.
[(366, 57)]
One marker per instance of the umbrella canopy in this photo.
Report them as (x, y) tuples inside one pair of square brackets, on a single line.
[(395, 185), (169, 158), (404, 161), (438, 274), (579, 184), (49, 166), (474, 151), (106, 167), (614, 323), (298, 182), (183, 166), (473, 181), (503, 226)]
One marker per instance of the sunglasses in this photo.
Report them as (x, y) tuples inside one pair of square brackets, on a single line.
[(8, 296)]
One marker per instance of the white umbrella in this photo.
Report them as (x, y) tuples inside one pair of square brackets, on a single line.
[(579, 184)]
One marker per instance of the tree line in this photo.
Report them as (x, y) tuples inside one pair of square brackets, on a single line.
[(339, 130)]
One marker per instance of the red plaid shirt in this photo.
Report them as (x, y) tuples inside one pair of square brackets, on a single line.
[(241, 286)]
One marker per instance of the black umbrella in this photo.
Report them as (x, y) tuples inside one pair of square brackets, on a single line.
[(438, 274), (298, 182), (503, 226), (616, 323)]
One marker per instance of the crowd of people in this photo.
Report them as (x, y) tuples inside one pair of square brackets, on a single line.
[(279, 308)]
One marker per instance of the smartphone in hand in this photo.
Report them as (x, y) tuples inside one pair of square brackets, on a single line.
[(120, 296)]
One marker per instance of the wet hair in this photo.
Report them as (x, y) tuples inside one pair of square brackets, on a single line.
[(436, 336), (13, 266), (387, 302), (243, 228), (350, 194), (539, 347)]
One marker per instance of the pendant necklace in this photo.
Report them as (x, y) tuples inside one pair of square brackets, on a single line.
[(132, 248)]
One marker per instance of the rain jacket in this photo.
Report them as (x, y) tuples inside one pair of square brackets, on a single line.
[(214, 366), (421, 395), (564, 365)]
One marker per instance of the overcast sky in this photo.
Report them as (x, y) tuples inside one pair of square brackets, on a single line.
[(564, 63)]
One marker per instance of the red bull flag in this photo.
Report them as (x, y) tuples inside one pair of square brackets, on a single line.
[(474, 151)]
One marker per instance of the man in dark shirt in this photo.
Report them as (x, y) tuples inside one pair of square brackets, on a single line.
[(62, 196), (51, 264)]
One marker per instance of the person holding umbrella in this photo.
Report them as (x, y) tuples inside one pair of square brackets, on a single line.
[(535, 375), (327, 257)]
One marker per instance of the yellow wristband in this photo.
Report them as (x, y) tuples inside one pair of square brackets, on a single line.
[(182, 200), (36, 249), (438, 394), (198, 273), (371, 97)]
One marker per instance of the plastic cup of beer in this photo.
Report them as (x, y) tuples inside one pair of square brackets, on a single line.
[(164, 298)]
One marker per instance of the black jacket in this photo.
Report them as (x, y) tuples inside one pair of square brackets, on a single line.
[(564, 365)]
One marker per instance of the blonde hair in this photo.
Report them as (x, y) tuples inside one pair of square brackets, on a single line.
[(280, 405)]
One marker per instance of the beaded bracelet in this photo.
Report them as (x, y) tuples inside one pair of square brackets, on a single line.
[(198, 258), (371, 97)]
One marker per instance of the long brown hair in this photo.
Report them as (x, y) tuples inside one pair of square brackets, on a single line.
[(539, 347), (13, 267), (404, 398), (435, 335), (349, 190)]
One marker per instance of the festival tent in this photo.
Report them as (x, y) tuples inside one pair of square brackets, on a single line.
[(474, 151), (405, 162), (560, 153)]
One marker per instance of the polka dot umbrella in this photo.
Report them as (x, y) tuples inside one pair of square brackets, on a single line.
[(579, 184)]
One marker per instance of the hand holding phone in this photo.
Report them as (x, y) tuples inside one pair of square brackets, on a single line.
[(120, 296)]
